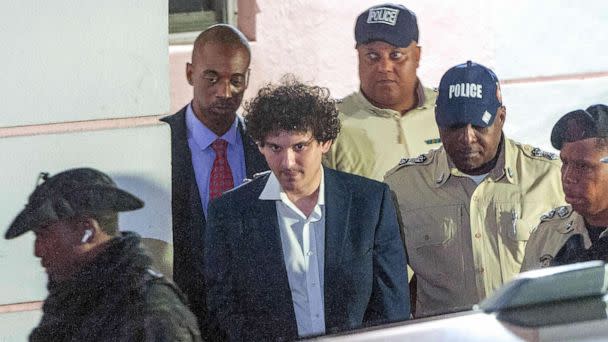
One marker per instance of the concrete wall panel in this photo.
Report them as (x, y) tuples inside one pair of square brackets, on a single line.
[(73, 61)]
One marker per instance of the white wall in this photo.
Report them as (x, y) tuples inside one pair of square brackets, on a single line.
[(549, 54), (65, 60)]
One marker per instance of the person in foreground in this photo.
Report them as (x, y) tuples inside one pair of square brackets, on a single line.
[(579, 231), (467, 208), (210, 152), (101, 287), (302, 250)]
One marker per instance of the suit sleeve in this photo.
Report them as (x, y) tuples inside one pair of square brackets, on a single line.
[(219, 272), (390, 300)]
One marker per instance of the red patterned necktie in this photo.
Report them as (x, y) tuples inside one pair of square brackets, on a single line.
[(221, 175)]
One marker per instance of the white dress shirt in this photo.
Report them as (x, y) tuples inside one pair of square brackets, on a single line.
[(303, 242)]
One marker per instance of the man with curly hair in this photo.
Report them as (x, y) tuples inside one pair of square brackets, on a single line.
[(302, 250)]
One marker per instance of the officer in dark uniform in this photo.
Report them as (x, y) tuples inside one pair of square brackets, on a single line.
[(577, 232)]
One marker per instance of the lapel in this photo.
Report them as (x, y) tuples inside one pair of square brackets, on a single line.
[(185, 190), (261, 231), (337, 220)]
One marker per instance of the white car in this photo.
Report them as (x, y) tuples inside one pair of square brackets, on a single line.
[(564, 303)]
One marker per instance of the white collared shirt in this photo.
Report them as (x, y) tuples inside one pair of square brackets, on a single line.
[(303, 242)]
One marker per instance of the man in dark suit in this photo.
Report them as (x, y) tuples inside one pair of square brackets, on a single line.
[(219, 76), (303, 250)]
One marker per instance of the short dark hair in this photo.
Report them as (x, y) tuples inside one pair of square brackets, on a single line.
[(222, 34), (601, 144), (292, 106)]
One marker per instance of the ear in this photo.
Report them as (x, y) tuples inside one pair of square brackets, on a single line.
[(501, 114), (189, 72), (417, 53), (87, 230), (325, 146)]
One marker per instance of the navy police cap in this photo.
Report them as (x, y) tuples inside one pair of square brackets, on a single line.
[(391, 23), (469, 93)]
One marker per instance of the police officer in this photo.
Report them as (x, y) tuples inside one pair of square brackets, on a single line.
[(578, 231), (467, 208), (392, 113), (101, 286)]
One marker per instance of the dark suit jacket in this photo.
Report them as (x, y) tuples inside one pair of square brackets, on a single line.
[(188, 216), (365, 262)]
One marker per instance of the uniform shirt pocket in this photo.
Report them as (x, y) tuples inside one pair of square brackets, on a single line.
[(431, 226), (432, 243), (513, 224)]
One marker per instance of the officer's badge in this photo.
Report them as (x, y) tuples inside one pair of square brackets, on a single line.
[(545, 260), (411, 161), (420, 159), (548, 215), (559, 212), (537, 152), (569, 227)]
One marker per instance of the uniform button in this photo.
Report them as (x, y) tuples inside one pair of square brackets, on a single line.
[(309, 253), (426, 237), (481, 270), (475, 198), (478, 235)]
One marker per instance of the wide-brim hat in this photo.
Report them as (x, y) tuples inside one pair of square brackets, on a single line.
[(69, 194)]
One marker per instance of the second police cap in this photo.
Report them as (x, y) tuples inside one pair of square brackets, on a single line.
[(469, 93), (580, 124), (391, 23)]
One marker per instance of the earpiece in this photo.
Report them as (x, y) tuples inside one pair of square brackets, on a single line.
[(87, 236)]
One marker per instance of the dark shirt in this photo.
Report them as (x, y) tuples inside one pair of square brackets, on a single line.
[(116, 297)]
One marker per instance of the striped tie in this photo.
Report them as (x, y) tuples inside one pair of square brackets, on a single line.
[(221, 174)]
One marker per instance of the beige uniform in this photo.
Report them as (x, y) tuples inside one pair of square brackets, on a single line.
[(373, 140), (555, 228), (464, 240)]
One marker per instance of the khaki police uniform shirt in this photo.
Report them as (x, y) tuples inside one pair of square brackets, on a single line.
[(373, 140), (555, 228), (464, 240)]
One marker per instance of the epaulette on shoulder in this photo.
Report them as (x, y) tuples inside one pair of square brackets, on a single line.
[(557, 213), (537, 153), (422, 159)]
